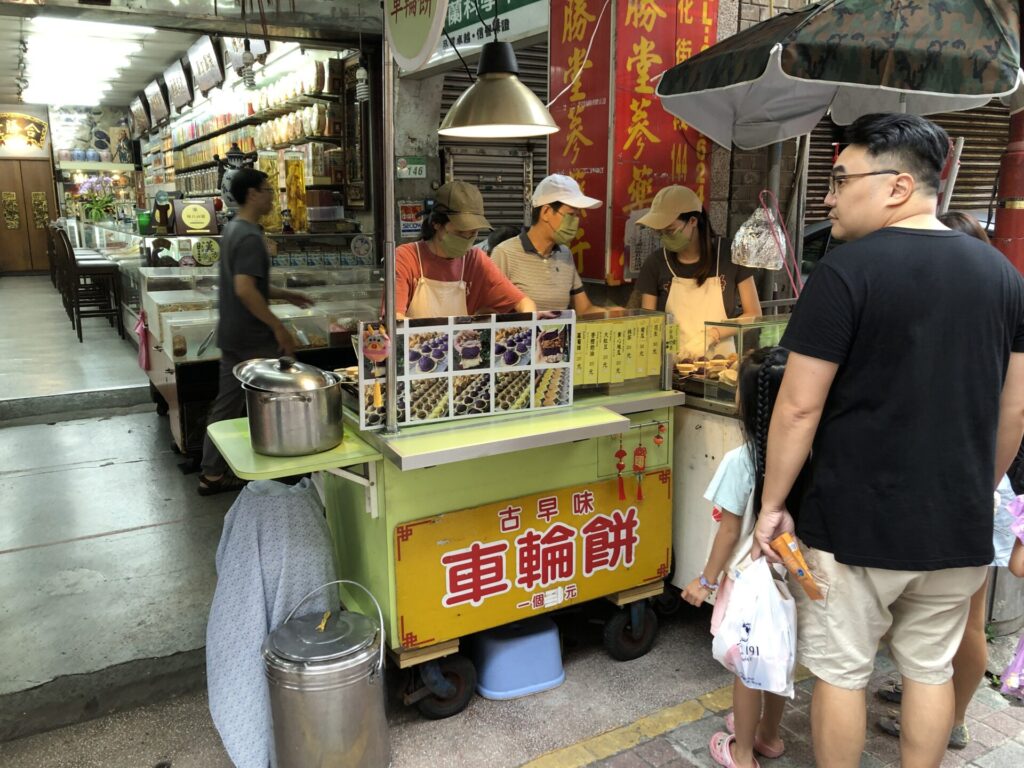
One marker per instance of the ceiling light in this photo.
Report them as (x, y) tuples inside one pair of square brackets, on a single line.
[(497, 105), (79, 29)]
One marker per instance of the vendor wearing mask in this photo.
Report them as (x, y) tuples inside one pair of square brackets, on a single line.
[(690, 277), (538, 261), (443, 274)]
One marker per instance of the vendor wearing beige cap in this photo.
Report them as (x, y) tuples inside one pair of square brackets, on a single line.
[(443, 274), (538, 261), (689, 278)]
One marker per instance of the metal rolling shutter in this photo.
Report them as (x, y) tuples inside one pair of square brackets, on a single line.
[(505, 170), (985, 130)]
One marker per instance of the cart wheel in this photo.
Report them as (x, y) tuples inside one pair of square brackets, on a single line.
[(620, 639), (460, 673), (175, 448), (668, 602)]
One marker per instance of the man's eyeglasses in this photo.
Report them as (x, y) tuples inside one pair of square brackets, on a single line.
[(836, 180)]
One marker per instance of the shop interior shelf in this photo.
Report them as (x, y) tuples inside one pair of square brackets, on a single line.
[(84, 165)]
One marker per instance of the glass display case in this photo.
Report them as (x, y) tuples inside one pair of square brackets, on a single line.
[(191, 336), (714, 377), (157, 304), (619, 349)]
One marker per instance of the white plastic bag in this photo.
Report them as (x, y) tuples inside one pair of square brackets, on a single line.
[(757, 638), (754, 244)]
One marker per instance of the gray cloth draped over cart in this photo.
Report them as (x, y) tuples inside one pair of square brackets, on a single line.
[(274, 549)]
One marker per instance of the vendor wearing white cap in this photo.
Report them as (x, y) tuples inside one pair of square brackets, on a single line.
[(690, 278), (444, 274), (538, 261)]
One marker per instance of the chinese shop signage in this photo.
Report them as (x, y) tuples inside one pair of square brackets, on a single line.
[(467, 571), (468, 30), (622, 128), (207, 70), (24, 133), (414, 27)]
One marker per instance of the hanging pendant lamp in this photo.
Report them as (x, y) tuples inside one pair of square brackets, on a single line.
[(498, 105)]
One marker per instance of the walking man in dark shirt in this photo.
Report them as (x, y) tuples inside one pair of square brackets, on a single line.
[(906, 377), (246, 328)]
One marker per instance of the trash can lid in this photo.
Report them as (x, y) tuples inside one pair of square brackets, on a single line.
[(310, 638)]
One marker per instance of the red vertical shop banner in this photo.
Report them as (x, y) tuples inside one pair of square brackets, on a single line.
[(581, 148), (652, 149)]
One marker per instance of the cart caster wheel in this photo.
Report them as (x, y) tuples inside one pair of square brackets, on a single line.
[(668, 602), (460, 674), (175, 448), (161, 409), (624, 642)]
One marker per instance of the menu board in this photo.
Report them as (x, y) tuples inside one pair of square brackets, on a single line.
[(140, 117), (179, 89), (159, 112), (207, 70), (453, 368)]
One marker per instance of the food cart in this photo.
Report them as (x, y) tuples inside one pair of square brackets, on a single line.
[(462, 525)]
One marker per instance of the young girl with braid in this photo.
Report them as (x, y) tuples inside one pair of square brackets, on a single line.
[(735, 492)]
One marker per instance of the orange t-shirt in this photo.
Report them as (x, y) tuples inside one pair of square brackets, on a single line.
[(486, 287)]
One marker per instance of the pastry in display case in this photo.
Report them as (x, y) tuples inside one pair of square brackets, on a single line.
[(191, 336), (714, 376)]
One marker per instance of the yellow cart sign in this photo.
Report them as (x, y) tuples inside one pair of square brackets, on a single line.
[(466, 571)]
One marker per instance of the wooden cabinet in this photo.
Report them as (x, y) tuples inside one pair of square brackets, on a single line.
[(26, 207)]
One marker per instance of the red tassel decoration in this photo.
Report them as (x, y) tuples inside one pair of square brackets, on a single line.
[(639, 465)]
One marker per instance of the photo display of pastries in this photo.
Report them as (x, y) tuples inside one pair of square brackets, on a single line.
[(464, 367)]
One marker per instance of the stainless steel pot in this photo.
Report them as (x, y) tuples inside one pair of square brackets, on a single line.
[(294, 409)]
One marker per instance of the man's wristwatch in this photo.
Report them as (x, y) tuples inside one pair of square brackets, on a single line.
[(707, 584)]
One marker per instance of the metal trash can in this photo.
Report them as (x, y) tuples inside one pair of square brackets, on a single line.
[(326, 680)]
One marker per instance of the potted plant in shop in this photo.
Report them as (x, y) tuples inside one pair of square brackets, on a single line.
[(96, 195)]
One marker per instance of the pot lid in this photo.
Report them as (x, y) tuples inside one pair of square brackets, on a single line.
[(282, 375), (310, 638)]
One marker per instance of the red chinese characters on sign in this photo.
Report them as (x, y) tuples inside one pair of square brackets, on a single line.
[(546, 558), (651, 148), (547, 508), (583, 503), (580, 148), (475, 573), (609, 541), (509, 519)]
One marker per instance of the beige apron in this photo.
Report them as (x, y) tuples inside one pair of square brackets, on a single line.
[(691, 304), (438, 298)]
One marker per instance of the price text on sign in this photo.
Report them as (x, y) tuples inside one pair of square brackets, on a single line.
[(478, 568)]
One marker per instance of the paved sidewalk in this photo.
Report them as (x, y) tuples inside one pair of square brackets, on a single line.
[(677, 737)]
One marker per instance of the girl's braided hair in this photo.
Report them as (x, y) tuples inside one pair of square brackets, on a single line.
[(759, 381)]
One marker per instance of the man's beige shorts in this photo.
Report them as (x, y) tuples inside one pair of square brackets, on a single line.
[(923, 612)]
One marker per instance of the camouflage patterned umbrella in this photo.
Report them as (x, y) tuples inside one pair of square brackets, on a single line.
[(777, 79)]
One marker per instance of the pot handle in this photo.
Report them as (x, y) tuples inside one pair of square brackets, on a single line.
[(380, 614), (277, 398)]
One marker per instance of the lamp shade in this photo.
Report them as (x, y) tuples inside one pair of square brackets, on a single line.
[(498, 105)]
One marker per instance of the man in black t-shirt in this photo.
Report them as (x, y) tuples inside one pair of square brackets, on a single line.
[(246, 328), (906, 377)]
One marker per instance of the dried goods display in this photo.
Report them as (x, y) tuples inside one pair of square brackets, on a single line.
[(295, 191), (457, 368), (267, 162)]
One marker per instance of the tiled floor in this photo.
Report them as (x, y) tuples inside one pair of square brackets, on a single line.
[(39, 350)]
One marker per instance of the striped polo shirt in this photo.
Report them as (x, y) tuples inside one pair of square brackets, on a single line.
[(550, 280)]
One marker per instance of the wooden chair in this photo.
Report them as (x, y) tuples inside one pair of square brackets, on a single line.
[(91, 285)]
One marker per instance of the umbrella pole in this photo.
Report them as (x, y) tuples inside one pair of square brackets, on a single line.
[(767, 281), (801, 201)]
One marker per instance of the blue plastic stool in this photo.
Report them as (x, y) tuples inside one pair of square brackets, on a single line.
[(518, 659)]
